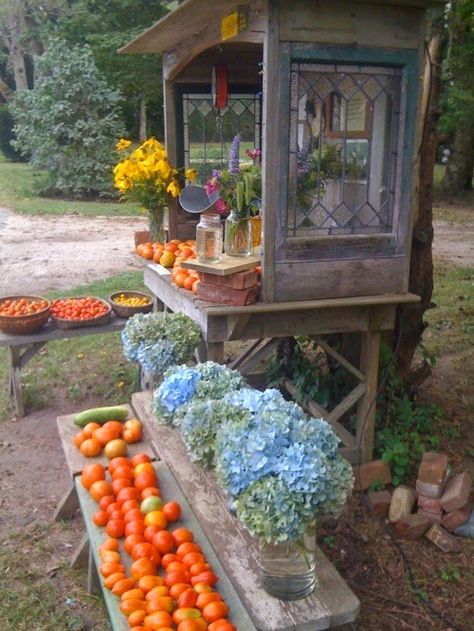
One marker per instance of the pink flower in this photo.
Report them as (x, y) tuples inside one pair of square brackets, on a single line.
[(253, 154), (222, 207)]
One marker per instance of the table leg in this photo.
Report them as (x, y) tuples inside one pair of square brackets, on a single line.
[(15, 379), (369, 365), (80, 557), (67, 505), (93, 583), (215, 352)]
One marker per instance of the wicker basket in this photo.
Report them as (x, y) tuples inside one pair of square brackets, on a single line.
[(66, 324), (126, 312), (24, 324)]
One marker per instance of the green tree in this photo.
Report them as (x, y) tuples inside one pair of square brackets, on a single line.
[(457, 121), (69, 122)]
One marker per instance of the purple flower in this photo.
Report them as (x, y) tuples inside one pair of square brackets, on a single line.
[(234, 162)]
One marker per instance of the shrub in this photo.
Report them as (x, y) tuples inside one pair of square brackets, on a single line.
[(69, 122)]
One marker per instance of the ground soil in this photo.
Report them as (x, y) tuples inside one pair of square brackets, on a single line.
[(45, 253)]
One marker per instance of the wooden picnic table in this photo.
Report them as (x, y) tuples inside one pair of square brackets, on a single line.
[(22, 348)]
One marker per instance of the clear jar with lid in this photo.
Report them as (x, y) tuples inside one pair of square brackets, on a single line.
[(209, 239)]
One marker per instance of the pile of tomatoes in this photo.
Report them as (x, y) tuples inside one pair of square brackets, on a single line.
[(86, 308), (182, 597), (22, 306), (169, 253), (113, 437)]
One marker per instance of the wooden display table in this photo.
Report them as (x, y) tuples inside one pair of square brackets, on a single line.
[(331, 604), (266, 322), (22, 348)]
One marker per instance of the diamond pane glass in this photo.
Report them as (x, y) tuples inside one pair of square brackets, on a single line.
[(208, 132), (344, 123)]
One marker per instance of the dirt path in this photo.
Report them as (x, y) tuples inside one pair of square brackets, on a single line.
[(41, 253)]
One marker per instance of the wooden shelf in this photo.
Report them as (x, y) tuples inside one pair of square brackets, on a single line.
[(227, 265)]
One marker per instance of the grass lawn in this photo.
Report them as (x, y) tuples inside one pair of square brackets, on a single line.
[(17, 192), (79, 370)]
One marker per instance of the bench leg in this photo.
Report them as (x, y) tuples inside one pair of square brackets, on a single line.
[(93, 581), (67, 505), (15, 380), (80, 558)]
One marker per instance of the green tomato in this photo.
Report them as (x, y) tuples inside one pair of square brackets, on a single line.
[(151, 503)]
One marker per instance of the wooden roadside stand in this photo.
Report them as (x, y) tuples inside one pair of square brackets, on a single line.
[(339, 84)]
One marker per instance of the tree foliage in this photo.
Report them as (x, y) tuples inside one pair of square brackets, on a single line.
[(69, 122)]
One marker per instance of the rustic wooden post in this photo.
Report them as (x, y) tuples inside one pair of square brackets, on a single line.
[(369, 364)]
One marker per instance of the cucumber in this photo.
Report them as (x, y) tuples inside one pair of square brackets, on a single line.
[(101, 415)]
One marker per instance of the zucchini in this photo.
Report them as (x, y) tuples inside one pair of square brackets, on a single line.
[(101, 415)]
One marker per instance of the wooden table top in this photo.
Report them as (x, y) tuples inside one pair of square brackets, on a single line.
[(162, 276)]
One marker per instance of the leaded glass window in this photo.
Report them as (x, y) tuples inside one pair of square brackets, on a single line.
[(208, 132), (344, 148)]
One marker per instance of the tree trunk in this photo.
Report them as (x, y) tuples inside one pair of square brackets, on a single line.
[(142, 127), (15, 52), (459, 169), (410, 316)]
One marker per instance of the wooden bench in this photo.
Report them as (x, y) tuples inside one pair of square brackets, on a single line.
[(22, 348), (86, 553), (331, 604)]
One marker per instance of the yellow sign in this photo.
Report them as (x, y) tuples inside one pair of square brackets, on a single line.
[(232, 24)]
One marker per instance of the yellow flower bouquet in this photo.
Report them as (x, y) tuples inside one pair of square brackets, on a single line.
[(145, 175)]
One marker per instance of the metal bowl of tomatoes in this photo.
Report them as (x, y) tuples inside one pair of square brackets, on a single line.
[(20, 315), (80, 311)]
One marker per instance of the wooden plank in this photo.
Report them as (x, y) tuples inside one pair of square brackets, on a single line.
[(332, 603), (340, 359), (170, 490), (319, 412), (346, 404), (75, 460), (369, 363), (171, 143), (80, 558), (51, 332), (67, 506), (270, 143), (340, 278), (307, 305), (258, 352), (350, 23), (225, 267)]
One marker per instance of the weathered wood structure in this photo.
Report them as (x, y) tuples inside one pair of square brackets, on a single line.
[(339, 130)]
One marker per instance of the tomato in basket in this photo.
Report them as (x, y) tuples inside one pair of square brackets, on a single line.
[(22, 306), (78, 308)]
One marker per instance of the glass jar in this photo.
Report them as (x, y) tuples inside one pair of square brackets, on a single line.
[(288, 570), (238, 235), (209, 239)]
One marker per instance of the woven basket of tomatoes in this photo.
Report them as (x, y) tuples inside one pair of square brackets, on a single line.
[(127, 303), (70, 313), (20, 315)]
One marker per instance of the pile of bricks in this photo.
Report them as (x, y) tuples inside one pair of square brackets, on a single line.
[(235, 289), (438, 507)]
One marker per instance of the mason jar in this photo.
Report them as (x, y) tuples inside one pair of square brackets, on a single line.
[(209, 239), (238, 235)]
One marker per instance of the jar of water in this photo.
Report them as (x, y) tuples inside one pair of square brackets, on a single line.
[(209, 239)]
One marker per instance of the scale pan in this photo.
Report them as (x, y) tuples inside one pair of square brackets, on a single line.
[(194, 199)]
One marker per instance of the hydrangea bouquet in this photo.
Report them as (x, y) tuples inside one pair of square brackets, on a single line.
[(159, 340), (182, 384)]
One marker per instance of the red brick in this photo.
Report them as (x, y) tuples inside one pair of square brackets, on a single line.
[(380, 502), (433, 468), (241, 280), (429, 504), (441, 538), (375, 471), (456, 518), (403, 500), (435, 518), (226, 295), (429, 490), (456, 493), (413, 526)]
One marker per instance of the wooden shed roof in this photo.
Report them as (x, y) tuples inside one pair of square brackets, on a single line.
[(192, 16)]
